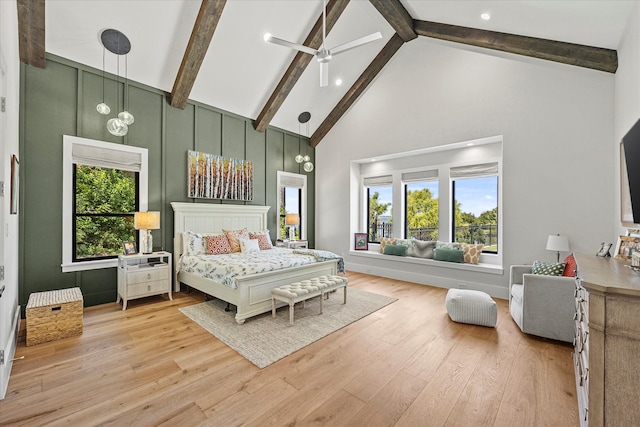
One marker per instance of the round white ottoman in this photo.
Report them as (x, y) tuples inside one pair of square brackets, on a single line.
[(473, 307)]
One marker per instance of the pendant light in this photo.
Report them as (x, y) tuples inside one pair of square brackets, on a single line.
[(117, 43), (307, 166), (116, 126), (102, 107), (126, 116)]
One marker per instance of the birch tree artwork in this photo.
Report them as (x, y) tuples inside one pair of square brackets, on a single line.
[(214, 177)]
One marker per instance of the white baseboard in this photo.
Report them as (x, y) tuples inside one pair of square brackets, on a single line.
[(9, 353)]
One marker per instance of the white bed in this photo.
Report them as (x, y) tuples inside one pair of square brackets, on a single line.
[(253, 293)]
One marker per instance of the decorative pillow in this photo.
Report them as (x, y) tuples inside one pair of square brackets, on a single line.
[(249, 245), (398, 250), (385, 241), (471, 252), (421, 248), (194, 243), (570, 267), (263, 238), (449, 255), (547, 269), (217, 244), (234, 237), (447, 245)]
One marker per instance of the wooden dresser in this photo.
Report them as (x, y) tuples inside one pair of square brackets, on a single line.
[(607, 343)]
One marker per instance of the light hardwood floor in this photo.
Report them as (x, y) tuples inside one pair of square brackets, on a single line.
[(407, 364)]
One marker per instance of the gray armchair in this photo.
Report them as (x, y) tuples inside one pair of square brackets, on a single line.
[(542, 305)]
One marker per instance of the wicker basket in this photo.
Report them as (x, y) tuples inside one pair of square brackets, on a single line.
[(53, 315)]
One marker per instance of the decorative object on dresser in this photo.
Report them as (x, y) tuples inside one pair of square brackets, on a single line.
[(558, 244), (263, 340), (146, 221), (607, 341), (53, 315), (542, 305), (129, 248), (604, 249), (143, 275), (626, 246)]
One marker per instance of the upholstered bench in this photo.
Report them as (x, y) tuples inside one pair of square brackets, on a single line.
[(307, 289), (469, 306)]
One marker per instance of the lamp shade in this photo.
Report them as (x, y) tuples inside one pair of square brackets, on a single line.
[(558, 243), (292, 219), (146, 220)]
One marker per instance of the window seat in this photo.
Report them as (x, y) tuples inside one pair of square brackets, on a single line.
[(480, 268)]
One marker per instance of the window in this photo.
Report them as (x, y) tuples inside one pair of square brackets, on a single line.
[(379, 207), (421, 205), (475, 205), (105, 202), (292, 200), (103, 185)]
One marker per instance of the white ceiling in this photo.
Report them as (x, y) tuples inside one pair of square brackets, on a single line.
[(240, 70)]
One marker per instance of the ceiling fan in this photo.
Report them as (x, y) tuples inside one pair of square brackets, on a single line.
[(324, 55)]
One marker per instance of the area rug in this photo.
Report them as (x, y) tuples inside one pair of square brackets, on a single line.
[(264, 340)]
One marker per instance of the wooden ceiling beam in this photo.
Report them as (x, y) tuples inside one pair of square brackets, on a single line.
[(358, 88), (201, 35), (31, 27), (397, 16), (566, 53), (298, 65)]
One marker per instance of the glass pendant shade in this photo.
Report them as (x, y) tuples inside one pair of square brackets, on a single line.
[(306, 158), (117, 127), (126, 117), (299, 158), (308, 167), (103, 108)]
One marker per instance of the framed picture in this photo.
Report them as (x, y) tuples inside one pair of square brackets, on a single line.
[(15, 184), (360, 242), (130, 248), (626, 246), (604, 250)]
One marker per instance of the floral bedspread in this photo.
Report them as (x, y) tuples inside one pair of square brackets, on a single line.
[(226, 268)]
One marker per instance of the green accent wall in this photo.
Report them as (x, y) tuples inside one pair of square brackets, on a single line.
[(61, 99)]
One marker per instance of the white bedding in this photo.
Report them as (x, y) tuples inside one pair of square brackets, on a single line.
[(226, 268)]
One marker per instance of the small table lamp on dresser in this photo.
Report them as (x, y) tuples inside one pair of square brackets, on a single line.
[(146, 221), (292, 220)]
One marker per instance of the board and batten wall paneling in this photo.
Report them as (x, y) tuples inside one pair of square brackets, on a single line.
[(61, 99)]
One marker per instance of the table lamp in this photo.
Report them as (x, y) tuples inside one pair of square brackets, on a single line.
[(292, 220), (558, 243), (146, 221)]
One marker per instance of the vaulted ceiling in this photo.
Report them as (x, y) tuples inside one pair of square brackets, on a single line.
[(213, 51)]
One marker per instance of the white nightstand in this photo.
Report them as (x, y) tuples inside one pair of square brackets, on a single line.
[(143, 275), (293, 244)]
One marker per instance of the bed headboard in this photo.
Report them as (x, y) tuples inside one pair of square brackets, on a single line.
[(212, 218)]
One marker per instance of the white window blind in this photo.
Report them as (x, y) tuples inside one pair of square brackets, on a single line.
[(474, 171), (427, 175), (292, 180), (106, 157), (376, 181)]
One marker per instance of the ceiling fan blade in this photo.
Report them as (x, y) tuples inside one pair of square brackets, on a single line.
[(270, 39), (355, 43), (324, 74)]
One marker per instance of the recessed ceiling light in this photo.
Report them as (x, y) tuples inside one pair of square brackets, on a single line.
[(338, 82), (470, 144), (373, 160), (486, 16)]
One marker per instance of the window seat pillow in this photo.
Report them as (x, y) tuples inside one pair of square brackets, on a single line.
[(449, 255), (397, 250), (421, 248)]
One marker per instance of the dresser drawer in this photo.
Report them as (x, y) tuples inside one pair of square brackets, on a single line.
[(148, 275), (159, 286)]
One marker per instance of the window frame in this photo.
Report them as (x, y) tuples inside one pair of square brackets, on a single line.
[(443, 159), (68, 196), (292, 180)]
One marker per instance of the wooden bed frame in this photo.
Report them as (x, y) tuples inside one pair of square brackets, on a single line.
[(253, 294)]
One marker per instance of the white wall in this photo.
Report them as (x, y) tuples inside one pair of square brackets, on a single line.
[(627, 97), (558, 167), (9, 138)]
